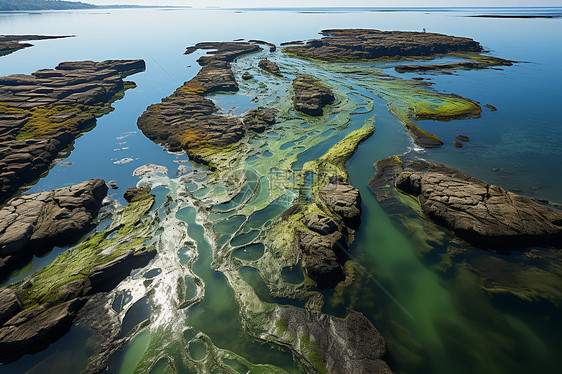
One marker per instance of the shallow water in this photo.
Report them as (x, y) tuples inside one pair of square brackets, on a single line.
[(432, 323)]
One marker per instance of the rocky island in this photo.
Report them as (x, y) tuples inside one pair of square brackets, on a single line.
[(41, 114), (13, 43)]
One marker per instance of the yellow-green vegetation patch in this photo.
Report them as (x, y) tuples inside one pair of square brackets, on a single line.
[(334, 160), (127, 233)]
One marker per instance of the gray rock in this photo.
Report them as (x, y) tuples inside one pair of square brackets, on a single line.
[(38, 332), (483, 214), (10, 304), (32, 224), (350, 345), (270, 67), (320, 224), (259, 119)]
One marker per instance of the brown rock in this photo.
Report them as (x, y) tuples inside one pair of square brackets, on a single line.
[(343, 199), (310, 96), (270, 67), (259, 119), (361, 44)]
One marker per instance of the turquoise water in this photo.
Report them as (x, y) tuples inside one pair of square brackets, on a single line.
[(431, 323)]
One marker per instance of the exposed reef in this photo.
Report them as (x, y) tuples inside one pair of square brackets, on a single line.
[(41, 114), (259, 119), (311, 96), (270, 67), (40, 309), (364, 45), (12, 43), (483, 214), (187, 120), (34, 224), (322, 228), (272, 47), (480, 62)]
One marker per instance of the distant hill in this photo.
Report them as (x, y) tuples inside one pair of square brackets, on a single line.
[(42, 5)]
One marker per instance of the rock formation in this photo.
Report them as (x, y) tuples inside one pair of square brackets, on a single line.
[(42, 113), (483, 214), (187, 119), (361, 44), (39, 310), (270, 67), (34, 224), (12, 43), (310, 96)]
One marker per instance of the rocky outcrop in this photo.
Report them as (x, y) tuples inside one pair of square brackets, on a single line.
[(323, 238), (41, 309), (41, 114), (343, 199), (483, 214), (135, 192), (361, 44), (224, 51), (465, 65), (324, 250), (12, 43), (270, 67), (310, 96), (33, 224), (272, 47), (187, 120), (259, 119), (22, 335), (247, 76), (350, 345)]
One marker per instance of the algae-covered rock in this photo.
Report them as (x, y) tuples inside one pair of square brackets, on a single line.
[(310, 96), (33, 224), (39, 310), (270, 67), (135, 192), (333, 345)]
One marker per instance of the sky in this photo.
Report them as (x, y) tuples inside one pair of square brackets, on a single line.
[(330, 3)]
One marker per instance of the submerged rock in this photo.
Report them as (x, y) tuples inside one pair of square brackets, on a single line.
[(491, 107), (310, 96), (462, 138), (270, 67), (458, 144), (33, 224), (350, 345), (482, 63), (363, 44)]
